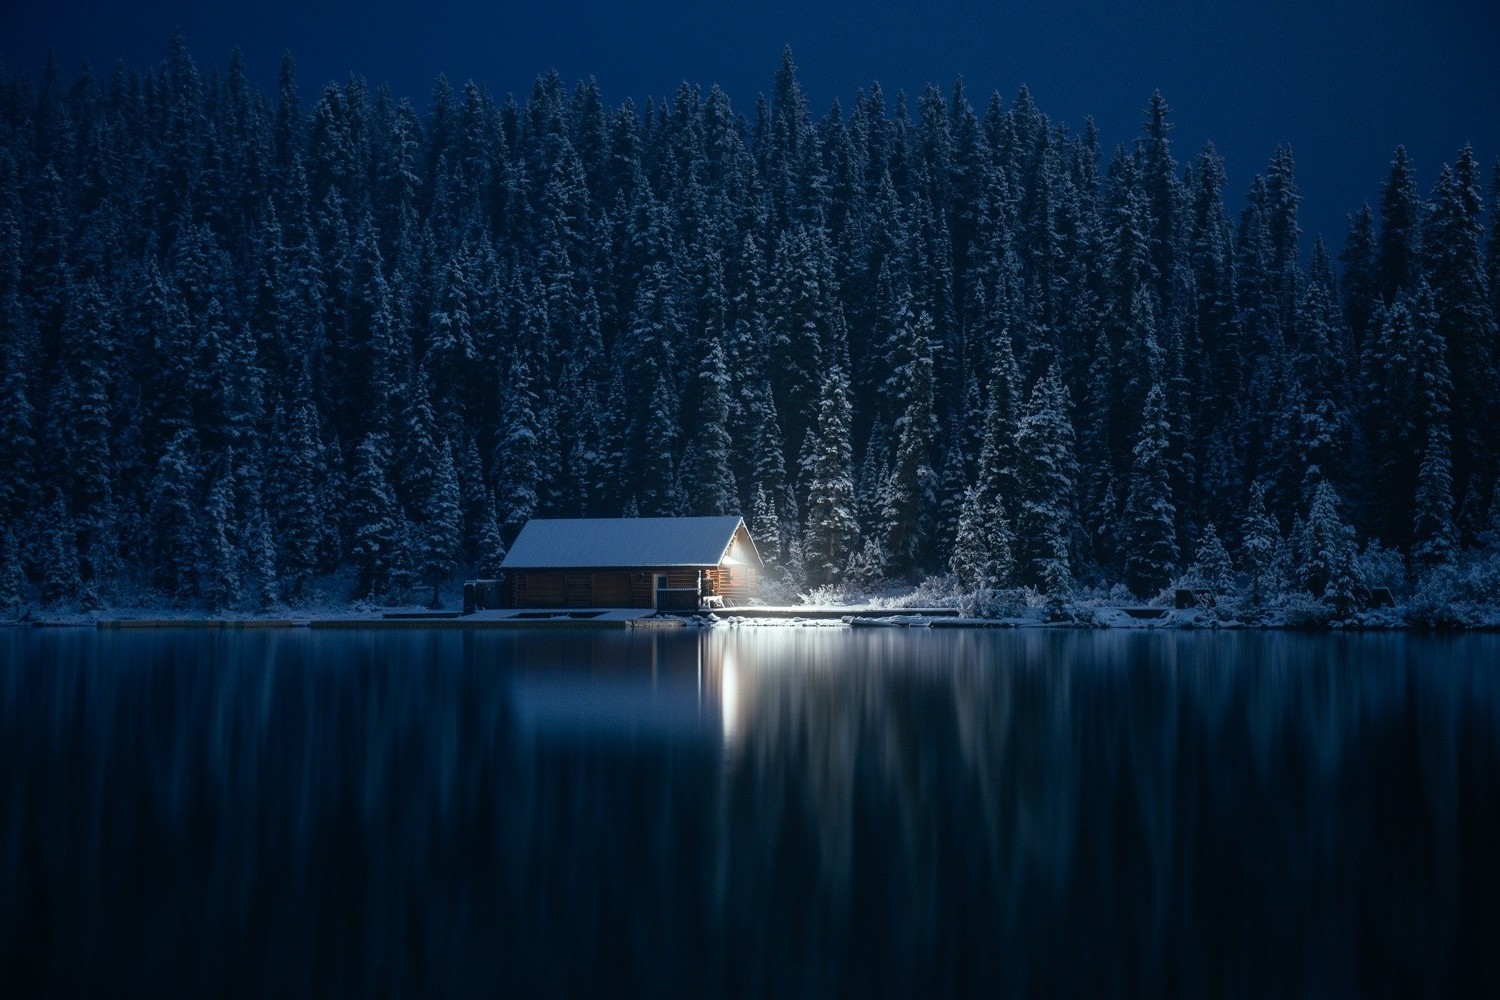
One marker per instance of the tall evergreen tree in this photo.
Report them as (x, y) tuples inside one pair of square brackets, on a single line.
[(173, 517), (302, 521), (913, 481), (218, 573), (1400, 217), (832, 529), (1326, 566), (1262, 555), (491, 545), (1359, 283), (997, 454), (61, 579), (12, 574), (1150, 533), (373, 517), (517, 459), (441, 526), (1211, 563), (709, 484), (82, 429), (799, 326), (1464, 318), (1433, 535), (17, 443), (1047, 476), (657, 488), (983, 548)]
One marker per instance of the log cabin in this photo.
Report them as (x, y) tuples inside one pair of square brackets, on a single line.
[(666, 563)]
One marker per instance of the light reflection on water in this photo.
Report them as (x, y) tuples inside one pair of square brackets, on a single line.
[(752, 811)]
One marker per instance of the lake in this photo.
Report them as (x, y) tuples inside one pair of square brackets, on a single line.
[(748, 812)]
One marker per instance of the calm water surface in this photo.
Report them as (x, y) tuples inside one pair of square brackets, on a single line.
[(757, 812)]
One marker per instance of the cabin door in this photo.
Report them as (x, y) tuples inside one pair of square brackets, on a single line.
[(659, 583)]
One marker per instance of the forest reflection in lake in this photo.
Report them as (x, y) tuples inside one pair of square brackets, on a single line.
[(772, 811)]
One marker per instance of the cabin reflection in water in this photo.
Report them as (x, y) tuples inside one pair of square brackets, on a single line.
[(682, 688)]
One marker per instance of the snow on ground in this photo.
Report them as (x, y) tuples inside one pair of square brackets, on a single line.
[(836, 608)]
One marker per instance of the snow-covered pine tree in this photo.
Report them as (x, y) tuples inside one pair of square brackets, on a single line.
[(1358, 286), (12, 575), (302, 519), (982, 551), (1163, 196), (82, 431), (583, 433), (912, 475), (218, 574), (658, 486), (450, 344), (1279, 208), (889, 355), (1434, 540), (1386, 411), (765, 528), (1400, 218), (1325, 431), (372, 517), (1100, 501), (997, 453), (472, 491), (1464, 316), (173, 519), (17, 419), (951, 487), (491, 544), (769, 466), (1057, 579), (1150, 534), (210, 379), (517, 465), (260, 558), (832, 528), (709, 479), (1326, 565), (1261, 550), (61, 579), (1212, 566), (441, 527), (1047, 476), (797, 305), (970, 557)]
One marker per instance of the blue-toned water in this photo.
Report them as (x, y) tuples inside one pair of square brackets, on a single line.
[(753, 812)]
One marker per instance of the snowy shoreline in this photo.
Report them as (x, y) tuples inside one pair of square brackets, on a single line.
[(808, 616)]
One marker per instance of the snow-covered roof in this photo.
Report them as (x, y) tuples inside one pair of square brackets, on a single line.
[(603, 542)]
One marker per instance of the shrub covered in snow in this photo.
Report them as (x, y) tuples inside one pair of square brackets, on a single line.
[(1382, 567), (1301, 610), (986, 603), (831, 595), (1465, 595)]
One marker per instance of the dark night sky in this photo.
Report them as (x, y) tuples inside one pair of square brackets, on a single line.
[(1343, 81)]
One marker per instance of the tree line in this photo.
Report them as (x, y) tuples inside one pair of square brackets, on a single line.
[(252, 345)]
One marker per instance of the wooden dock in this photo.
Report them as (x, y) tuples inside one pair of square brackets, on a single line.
[(825, 614), (598, 618)]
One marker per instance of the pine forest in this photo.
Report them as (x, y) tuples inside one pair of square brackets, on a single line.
[(261, 350)]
